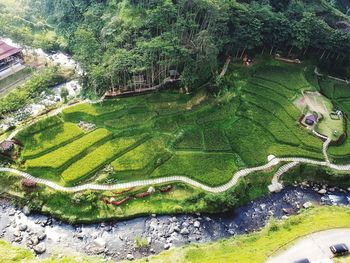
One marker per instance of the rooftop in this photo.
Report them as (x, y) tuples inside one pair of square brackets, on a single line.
[(7, 50)]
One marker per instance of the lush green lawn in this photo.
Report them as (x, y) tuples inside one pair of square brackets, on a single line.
[(51, 138), (257, 247), (139, 157), (259, 118), (15, 254), (61, 156), (97, 158), (209, 168)]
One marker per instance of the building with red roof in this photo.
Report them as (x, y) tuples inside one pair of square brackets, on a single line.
[(9, 55)]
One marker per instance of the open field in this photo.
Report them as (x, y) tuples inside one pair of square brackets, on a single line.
[(328, 125)]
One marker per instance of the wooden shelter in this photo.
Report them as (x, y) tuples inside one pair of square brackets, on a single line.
[(9, 55)]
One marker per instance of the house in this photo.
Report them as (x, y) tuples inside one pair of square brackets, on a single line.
[(311, 119), (9, 56), (174, 74), (7, 146)]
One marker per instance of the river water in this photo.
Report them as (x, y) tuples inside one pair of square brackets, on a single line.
[(45, 99), (115, 240)]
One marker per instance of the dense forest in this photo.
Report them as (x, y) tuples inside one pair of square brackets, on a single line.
[(121, 41)]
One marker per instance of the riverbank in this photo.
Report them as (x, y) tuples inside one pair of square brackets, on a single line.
[(257, 247), (151, 235)]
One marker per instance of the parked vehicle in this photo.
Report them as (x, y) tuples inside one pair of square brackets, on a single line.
[(303, 260), (339, 249)]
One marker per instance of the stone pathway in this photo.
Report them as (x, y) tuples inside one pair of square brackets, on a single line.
[(277, 186)]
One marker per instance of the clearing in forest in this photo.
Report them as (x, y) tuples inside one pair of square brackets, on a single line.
[(321, 115)]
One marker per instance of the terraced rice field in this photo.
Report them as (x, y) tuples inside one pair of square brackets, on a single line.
[(159, 135)]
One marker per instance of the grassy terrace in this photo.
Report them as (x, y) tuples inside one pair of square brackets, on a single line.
[(168, 133)]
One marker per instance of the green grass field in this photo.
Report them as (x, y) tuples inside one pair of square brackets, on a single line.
[(178, 136)]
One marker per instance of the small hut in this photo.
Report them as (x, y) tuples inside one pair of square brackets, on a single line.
[(174, 74), (7, 146), (311, 119)]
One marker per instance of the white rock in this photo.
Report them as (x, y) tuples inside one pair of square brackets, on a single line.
[(40, 248), (166, 246), (151, 190), (130, 257), (197, 224), (184, 231), (307, 205), (322, 191), (100, 242)]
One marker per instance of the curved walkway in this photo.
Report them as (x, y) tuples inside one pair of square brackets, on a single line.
[(219, 189), (291, 162)]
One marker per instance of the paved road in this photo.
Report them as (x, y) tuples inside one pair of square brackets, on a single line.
[(314, 247)]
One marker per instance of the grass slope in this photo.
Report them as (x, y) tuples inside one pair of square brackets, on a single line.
[(257, 247)]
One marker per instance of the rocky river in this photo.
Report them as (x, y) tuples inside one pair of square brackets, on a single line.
[(116, 240)]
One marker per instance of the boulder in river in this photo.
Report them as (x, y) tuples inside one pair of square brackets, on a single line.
[(184, 231), (40, 248), (322, 191), (307, 205), (100, 242), (130, 257), (22, 227)]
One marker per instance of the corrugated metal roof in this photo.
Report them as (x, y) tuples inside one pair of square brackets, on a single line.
[(7, 50)]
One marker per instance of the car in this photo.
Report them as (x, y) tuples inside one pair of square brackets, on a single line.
[(339, 249), (303, 260)]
